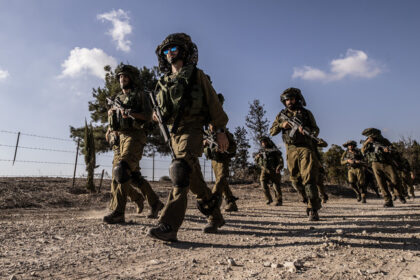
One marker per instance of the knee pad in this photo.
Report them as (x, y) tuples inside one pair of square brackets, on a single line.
[(179, 172), (122, 172), (208, 206)]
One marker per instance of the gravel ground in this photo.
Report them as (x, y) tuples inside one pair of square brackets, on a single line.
[(50, 230)]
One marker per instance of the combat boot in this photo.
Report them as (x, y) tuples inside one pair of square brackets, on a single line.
[(363, 199), (140, 206), (114, 218), (313, 215), (402, 200), (389, 204), (231, 207), (212, 226), (359, 198), (279, 203), (154, 210), (269, 201), (325, 198), (163, 232)]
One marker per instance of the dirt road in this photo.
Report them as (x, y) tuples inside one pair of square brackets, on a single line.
[(352, 240)]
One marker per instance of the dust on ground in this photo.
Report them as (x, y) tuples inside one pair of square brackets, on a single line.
[(51, 230)]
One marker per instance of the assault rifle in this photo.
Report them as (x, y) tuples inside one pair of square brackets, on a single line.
[(295, 123), (162, 126), (211, 139), (119, 107)]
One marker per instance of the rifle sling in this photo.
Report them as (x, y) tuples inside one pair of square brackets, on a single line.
[(183, 101)]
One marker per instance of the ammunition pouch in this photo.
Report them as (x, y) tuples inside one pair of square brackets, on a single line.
[(179, 172)]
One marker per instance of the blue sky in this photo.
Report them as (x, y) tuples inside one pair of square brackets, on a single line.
[(356, 62)]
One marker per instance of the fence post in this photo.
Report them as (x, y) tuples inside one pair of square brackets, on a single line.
[(204, 169), (211, 173), (17, 144), (153, 167), (75, 162), (100, 183)]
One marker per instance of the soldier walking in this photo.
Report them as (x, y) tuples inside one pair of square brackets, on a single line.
[(353, 159), (377, 150), (270, 160), (302, 160), (187, 102), (220, 164), (129, 121)]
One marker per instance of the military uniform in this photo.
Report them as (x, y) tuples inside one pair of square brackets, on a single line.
[(132, 192), (406, 173), (132, 139), (220, 165), (382, 165), (302, 160), (187, 102), (270, 159), (356, 171)]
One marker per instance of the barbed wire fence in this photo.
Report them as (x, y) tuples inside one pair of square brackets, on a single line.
[(60, 157)]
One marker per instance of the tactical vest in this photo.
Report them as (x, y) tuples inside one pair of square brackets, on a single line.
[(130, 101), (376, 155), (298, 139), (183, 88), (357, 155), (268, 158)]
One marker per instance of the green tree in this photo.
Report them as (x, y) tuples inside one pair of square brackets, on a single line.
[(256, 121), (335, 172), (90, 157), (239, 163)]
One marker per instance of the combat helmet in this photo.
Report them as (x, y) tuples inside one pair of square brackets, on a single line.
[(132, 72), (350, 143), (188, 50), (267, 140), (371, 132), (292, 93), (221, 98)]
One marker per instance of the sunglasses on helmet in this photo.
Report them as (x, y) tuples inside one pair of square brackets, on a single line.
[(172, 49)]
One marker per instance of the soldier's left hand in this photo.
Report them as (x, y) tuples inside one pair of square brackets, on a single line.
[(222, 141), (278, 169), (386, 150)]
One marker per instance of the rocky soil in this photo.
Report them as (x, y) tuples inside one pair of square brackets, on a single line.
[(51, 230)]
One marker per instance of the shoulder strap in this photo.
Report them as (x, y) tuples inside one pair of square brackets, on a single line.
[(185, 96)]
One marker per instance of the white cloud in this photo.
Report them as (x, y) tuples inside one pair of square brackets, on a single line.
[(87, 61), (4, 74), (355, 63), (120, 28)]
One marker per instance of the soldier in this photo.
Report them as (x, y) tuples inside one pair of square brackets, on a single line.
[(129, 123), (135, 196), (270, 160), (220, 164), (353, 159), (377, 150), (187, 102), (407, 176), (302, 160)]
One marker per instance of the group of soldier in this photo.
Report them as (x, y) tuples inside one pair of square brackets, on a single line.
[(187, 107)]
